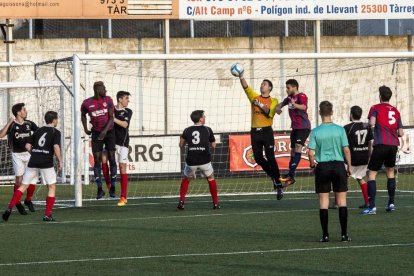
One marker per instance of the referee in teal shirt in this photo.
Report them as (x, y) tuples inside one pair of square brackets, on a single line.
[(328, 148)]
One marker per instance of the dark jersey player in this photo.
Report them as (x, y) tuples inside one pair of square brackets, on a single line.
[(199, 139), (360, 140), (100, 109), (297, 103), (44, 145), (387, 124), (19, 131), (122, 121)]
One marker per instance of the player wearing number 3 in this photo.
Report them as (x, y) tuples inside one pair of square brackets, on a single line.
[(386, 121), (45, 144), (199, 138)]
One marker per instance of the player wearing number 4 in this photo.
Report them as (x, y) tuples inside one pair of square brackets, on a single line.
[(386, 121), (199, 138), (297, 103), (45, 144)]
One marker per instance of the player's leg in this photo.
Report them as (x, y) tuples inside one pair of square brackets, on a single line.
[(30, 176), (364, 189), (122, 156), (109, 141), (297, 138), (208, 172), (49, 179), (389, 164), (188, 175), (105, 169), (322, 188), (97, 148), (32, 187), (340, 187), (375, 163), (19, 167)]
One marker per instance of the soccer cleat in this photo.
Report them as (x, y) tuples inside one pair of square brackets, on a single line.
[(112, 192), (100, 194), (21, 209), (390, 208), (287, 180), (324, 239), (216, 206), (29, 205), (363, 206), (122, 201), (369, 211), (48, 218), (180, 205), (345, 238), (7, 214), (279, 193)]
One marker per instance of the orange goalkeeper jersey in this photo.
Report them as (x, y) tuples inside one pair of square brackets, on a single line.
[(259, 118)]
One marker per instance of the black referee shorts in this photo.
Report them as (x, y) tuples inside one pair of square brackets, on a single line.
[(108, 141), (382, 155), (299, 136), (331, 176)]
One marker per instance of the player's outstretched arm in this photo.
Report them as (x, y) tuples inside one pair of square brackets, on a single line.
[(58, 154), (243, 82), (347, 155), (279, 107), (311, 156), (4, 130)]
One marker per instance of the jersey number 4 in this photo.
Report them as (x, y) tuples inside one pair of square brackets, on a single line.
[(361, 136), (196, 137)]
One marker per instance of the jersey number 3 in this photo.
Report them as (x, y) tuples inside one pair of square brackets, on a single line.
[(196, 137)]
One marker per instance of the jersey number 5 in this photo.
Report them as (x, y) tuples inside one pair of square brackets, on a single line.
[(391, 117), (196, 137), (42, 140)]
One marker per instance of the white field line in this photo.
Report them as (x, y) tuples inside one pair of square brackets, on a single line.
[(213, 214), (234, 253)]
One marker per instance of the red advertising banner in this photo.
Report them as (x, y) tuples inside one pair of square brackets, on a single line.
[(241, 153)]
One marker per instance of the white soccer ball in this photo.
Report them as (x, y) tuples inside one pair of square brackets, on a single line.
[(236, 69)]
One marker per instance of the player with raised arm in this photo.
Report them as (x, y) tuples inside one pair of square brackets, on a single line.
[(45, 144), (387, 124), (19, 131), (199, 139), (263, 108), (122, 121), (360, 140), (100, 109), (297, 103), (328, 146)]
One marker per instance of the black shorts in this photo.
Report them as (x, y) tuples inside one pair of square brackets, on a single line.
[(382, 155), (108, 141), (299, 136), (331, 176)]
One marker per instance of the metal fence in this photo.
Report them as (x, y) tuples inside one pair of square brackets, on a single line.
[(183, 28)]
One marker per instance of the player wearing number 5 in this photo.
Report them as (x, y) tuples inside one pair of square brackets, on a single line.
[(386, 121), (199, 138), (45, 144)]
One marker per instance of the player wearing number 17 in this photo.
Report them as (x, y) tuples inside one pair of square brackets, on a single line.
[(199, 138), (45, 144), (386, 121)]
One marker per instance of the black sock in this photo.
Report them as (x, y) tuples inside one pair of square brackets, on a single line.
[(343, 219), (372, 191), (391, 190), (323, 216)]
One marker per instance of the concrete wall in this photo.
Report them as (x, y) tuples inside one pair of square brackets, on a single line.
[(208, 85)]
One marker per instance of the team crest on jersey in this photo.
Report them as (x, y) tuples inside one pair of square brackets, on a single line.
[(104, 104), (27, 127), (17, 128)]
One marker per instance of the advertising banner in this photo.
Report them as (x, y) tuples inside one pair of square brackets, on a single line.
[(241, 153), (295, 9)]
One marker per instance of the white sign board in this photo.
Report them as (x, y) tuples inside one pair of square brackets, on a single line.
[(295, 9), (406, 149)]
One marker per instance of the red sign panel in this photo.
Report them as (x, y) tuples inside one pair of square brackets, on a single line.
[(242, 159)]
